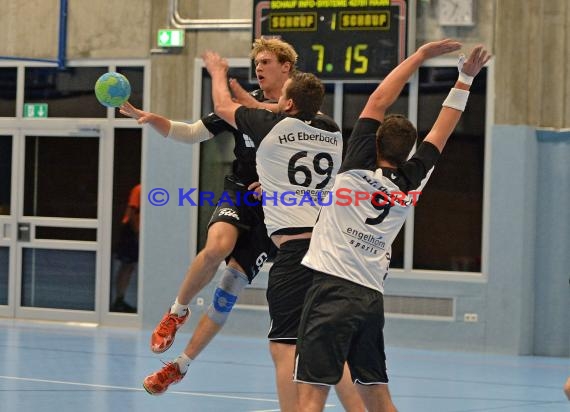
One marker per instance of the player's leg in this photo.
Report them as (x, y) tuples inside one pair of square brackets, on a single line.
[(347, 393), (287, 284), (283, 356), (289, 393), (376, 398), (221, 240), (201, 271), (227, 292), (324, 338), (225, 296), (316, 367), (248, 256), (312, 397), (567, 388), (366, 357)]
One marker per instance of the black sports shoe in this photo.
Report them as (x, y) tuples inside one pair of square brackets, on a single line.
[(121, 306)]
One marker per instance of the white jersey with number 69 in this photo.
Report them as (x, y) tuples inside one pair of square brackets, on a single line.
[(297, 162)]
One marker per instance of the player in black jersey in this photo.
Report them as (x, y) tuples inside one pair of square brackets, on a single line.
[(298, 155), (343, 315), (236, 233)]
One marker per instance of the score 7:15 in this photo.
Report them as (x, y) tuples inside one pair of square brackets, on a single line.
[(352, 54)]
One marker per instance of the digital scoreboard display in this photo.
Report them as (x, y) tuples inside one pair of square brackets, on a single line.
[(345, 40)]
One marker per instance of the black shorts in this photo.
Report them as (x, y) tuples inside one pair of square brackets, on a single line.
[(341, 321), (128, 248), (286, 288), (253, 246)]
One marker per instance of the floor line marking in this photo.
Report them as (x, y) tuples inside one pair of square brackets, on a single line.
[(91, 385)]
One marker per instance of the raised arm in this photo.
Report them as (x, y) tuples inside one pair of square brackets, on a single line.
[(241, 96), (456, 101), (224, 106), (391, 87), (184, 132)]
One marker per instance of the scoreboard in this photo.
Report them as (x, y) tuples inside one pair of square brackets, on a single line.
[(347, 40)]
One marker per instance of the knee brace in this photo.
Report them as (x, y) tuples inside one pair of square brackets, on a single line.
[(226, 295)]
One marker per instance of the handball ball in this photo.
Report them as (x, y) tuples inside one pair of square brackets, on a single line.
[(112, 89)]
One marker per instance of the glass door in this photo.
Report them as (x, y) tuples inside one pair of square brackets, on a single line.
[(56, 224), (7, 221)]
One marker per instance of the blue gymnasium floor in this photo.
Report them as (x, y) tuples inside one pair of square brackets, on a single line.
[(52, 367)]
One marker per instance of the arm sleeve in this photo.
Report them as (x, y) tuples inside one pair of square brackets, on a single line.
[(188, 133), (361, 147)]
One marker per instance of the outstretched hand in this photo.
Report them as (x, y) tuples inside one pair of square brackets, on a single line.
[(437, 48), (214, 62), (477, 59), (131, 111)]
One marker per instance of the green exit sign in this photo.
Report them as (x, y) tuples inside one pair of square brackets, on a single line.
[(37, 110), (170, 38)]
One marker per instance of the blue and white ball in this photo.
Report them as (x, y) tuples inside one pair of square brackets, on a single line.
[(112, 89)]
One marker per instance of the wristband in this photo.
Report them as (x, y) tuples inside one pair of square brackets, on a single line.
[(456, 99)]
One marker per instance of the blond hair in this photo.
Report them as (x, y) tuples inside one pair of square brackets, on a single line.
[(283, 50)]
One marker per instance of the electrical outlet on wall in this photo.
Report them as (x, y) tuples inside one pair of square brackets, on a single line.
[(470, 317)]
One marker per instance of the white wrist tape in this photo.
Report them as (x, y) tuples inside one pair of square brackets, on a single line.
[(188, 133), (460, 62), (465, 78), (456, 99)]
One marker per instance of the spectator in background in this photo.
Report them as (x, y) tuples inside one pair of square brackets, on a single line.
[(128, 251)]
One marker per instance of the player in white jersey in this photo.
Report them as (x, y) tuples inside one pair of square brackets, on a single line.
[(299, 153), (343, 316)]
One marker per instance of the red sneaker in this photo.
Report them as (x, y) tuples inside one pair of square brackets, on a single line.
[(158, 382), (163, 335)]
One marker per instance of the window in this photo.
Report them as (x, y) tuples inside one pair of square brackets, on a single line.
[(60, 179), (449, 216), (8, 85), (69, 92), (5, 174)]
